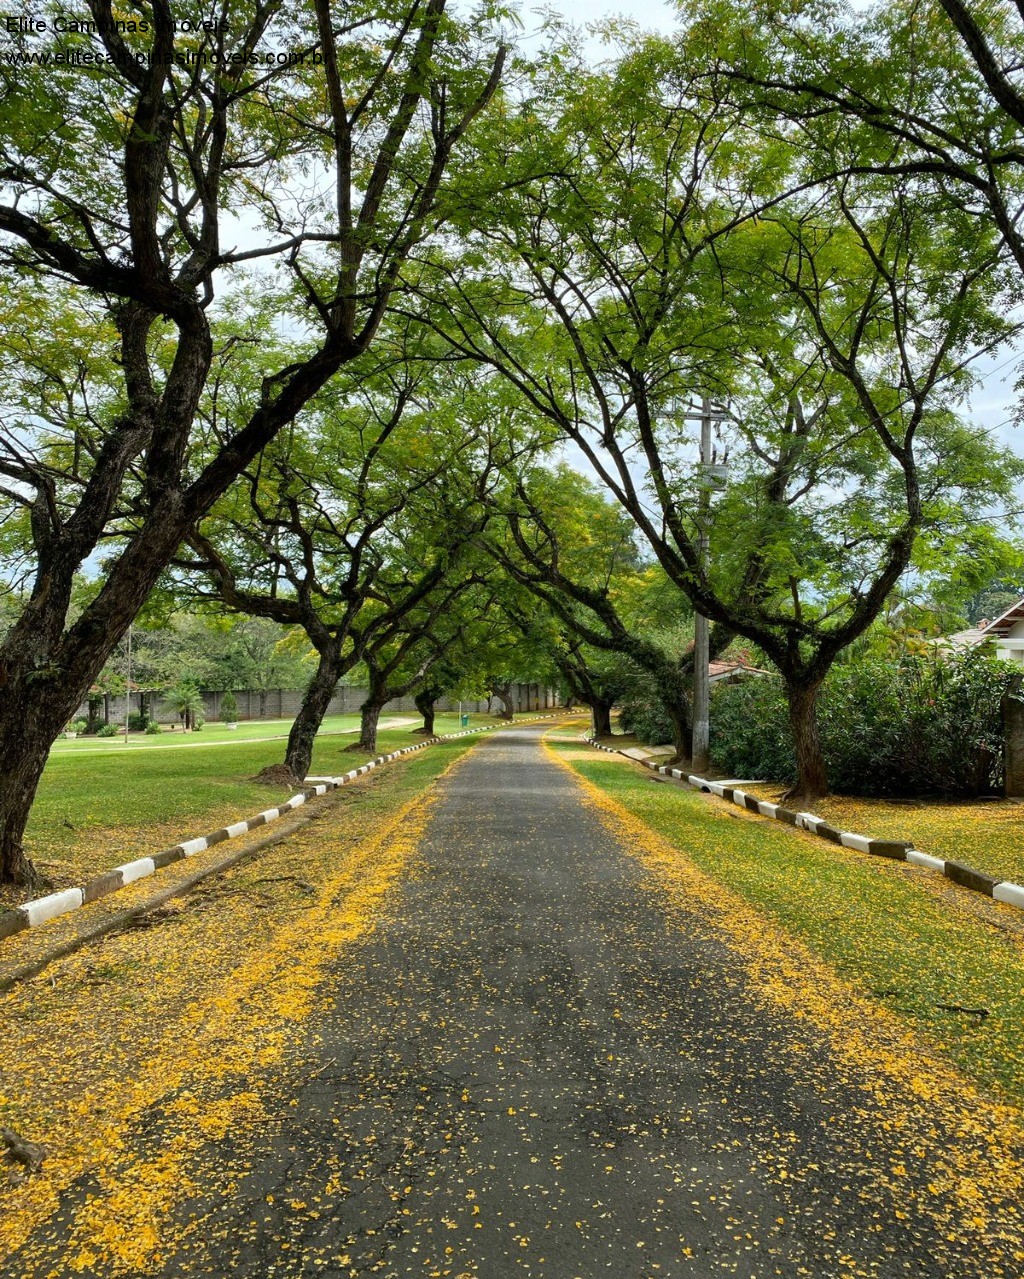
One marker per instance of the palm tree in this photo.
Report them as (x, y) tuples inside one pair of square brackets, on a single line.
[(187, 701)]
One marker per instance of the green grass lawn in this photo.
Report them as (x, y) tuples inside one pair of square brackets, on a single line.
[(247, 731), (109, 803), (986, 834), (875, 923)]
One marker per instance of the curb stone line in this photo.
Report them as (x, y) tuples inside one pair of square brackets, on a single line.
[(127, 917), (1002, 890), (42, 909)]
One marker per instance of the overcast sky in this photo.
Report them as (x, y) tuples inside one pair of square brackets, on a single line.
[(649, 13)]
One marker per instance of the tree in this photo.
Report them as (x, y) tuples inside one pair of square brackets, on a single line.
[(578, 554), (484, 653), (183, 649), (217, 650), (261, 659), (115, 181), (228, 708), (351, 528), (929, 91), (592, 676), (187, 703), (662, 255), (435, 684), (399, 661)]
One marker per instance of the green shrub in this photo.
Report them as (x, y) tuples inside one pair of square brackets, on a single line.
[(925, 724), (643, 715), (750, 730), (137, 723), (152, 728), (108, 730), (228, 708)]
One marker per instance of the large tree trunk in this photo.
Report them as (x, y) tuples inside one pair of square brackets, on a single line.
[(602, 713), (504, 695), (47, 671), (315, 702), (426, 701), (369, 712), (26, 745), (678, 711), (369, 716), (44, 675), (811, 774)]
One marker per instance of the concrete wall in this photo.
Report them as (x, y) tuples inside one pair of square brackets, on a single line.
[(284, 703), (533, 697)]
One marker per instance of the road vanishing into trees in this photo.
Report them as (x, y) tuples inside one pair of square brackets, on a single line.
[(540, 1064)]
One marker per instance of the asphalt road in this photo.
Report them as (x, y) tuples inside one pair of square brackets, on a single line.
[(530, 1068)]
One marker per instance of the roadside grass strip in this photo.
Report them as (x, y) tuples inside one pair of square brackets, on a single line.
[(986, 833), (1002, 890), (955, 975), (799, 945), (32, 914), (43, 909)]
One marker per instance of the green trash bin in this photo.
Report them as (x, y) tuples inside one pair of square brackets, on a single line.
[(465, 721)]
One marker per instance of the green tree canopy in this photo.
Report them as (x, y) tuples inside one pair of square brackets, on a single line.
[(657, 249)]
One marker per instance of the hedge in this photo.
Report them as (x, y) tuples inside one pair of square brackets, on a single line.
[(921, 725)]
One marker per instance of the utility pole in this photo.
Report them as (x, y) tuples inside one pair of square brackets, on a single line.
[(711, 477), (701, 644)]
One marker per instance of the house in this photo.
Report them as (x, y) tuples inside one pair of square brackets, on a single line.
[(730, 670), (1006, 631)]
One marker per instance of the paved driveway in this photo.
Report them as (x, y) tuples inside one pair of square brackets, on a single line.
[(530, 1068)]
